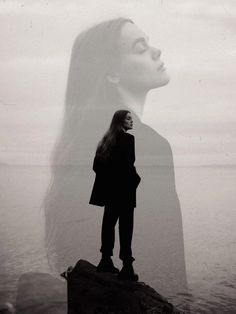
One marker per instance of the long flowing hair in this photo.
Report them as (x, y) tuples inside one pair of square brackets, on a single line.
[(109, 139), (95, 54)]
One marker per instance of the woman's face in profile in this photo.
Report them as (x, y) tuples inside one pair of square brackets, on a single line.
[(128, 122), (140, 64)]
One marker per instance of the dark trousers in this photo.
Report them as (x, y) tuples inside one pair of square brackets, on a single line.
[(125, 214)]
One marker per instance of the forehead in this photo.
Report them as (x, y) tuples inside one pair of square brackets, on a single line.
[(129, 33), (128, 115)]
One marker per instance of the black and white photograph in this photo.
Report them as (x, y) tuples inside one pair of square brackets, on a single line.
[(117, 156)]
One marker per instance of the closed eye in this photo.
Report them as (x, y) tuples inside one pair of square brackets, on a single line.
[(141, 47)]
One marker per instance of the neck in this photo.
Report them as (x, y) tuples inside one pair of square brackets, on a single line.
[(134, 101)]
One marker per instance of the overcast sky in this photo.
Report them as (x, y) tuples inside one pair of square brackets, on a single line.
[(196, 111)]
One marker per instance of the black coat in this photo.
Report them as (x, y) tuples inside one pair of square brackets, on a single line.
[(116, 178)]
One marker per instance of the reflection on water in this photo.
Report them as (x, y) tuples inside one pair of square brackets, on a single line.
[(207, 197)]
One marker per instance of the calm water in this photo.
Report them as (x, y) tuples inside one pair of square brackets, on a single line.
[(207, 197)]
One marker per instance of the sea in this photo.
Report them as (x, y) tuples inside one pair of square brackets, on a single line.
[(207, 196)]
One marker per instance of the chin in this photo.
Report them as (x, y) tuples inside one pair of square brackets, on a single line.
[(163, 81)]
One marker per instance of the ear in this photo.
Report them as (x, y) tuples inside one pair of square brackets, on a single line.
[(113, 78)]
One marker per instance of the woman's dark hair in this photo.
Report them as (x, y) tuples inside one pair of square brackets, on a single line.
[(95, 54), (89, 105), (109, 139)]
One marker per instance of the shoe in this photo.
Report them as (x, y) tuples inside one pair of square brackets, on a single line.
[(106, 266), (127, 273)]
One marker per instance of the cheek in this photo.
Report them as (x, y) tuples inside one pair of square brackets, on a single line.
[(136, 73), (132, 68), (139, 73)]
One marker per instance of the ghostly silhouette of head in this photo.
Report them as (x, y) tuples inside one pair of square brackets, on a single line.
[(95, 56), (112, 53)]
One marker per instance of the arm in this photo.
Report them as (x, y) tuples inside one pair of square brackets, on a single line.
[(95, 164), (98, 165), (125, 158), (137, 178)]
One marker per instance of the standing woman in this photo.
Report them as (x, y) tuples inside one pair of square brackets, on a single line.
[(113, 66), (115, 188)]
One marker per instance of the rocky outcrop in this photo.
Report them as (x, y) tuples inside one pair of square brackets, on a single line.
[(89, 292), (7, 308)]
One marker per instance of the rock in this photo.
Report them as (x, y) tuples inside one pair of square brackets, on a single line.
[(7, 308), (90, 292)]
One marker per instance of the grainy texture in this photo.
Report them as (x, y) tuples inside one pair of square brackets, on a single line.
[(41, 293)]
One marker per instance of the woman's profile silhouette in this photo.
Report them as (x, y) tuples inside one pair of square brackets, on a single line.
[(113, 67)]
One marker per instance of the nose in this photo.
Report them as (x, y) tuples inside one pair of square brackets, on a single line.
[(156, 53)]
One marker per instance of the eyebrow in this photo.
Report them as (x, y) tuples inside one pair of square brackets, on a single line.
[(140, 39)]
